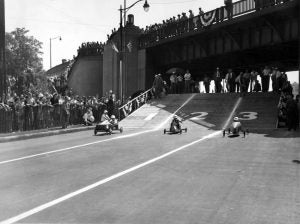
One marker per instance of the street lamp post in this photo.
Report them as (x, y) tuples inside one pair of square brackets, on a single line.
[(123, 12), (51, 48)]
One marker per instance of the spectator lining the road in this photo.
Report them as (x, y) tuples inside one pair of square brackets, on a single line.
[(88, 117)]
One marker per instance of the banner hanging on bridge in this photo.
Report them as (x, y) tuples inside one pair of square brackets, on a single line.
[(208, 18)]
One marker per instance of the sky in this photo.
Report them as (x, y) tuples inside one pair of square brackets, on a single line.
[(78, 21)]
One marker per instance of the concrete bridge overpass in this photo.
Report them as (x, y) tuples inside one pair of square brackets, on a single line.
[(255, 36), (258, 33)]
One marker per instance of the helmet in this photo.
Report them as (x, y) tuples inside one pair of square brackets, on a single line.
[(105, 111), (91, 118), (112, 116), (235, 119)]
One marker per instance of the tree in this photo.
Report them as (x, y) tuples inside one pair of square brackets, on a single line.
[(23, 53)]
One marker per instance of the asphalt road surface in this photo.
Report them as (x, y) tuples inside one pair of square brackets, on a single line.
[(143, 176)]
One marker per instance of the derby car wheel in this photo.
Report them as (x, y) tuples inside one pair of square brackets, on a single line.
[(121, 130), (110, 131), (95, 131), (165, 131)]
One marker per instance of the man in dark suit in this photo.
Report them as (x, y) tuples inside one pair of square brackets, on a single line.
[(218, 80)]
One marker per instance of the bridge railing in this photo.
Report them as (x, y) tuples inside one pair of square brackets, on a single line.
[(167, 30), (134, 104)]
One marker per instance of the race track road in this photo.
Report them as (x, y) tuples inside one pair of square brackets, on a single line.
[(143, 176)]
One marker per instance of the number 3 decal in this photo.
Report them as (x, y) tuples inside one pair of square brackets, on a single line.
[(246, 116)]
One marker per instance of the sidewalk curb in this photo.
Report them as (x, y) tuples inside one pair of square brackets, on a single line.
[(44, 134)]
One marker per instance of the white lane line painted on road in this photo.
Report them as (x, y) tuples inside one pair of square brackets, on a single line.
[(101, 182), (97, 142), (150, 116), (238, 102), (170, 116)]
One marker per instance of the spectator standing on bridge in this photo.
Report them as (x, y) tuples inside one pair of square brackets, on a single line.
[(201, 13), (184, 22), (187, 81), (279, 78), (257, 86), (265, 79), (191, 20), (274, 81), (292, 113), (173, 81), (243, 83), (158, 85), (218, 80), (180, 84), (253, 79), (230, 81), (238, 82), (298, 107), (228, 7), (206, 82), (246, 79)]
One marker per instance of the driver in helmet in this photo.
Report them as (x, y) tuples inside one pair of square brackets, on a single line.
[(236, 125), (113, 120), (175, 125)]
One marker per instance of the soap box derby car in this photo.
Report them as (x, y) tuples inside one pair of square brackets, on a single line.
[(175, 127), (108, 127), (235, 129)]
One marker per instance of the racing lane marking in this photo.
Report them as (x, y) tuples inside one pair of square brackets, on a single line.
[(150, 116), (103, 181), (97, 142), (172, 115), (238, 102)]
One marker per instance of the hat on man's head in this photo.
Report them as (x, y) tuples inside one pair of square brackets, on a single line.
[(236, 119)]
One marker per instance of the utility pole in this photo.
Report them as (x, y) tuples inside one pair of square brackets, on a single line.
[(3, 87)]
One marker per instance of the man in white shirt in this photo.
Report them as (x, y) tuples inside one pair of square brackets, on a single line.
[(187, 81), (173, 81)]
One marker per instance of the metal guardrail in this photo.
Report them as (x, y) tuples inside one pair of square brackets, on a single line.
[(134, 104), (177, 28)]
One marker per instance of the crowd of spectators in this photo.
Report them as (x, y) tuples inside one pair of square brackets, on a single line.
[(220, 82), (91, 48), (39, 111), (247, 80), (288, 111), (173, 26)]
